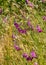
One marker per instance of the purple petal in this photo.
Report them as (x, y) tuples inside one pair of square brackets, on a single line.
[(16, 25), (25, 55), (17, 47), (38, 28), (21, 30), (44, 18), (33, 54), (29, 58)]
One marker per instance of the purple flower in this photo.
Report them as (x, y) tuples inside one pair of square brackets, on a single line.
[(16, 25), (29, 58), (25, 55), (22, 30), (38, 28), (33, 54), (17, 47), (44, 18)]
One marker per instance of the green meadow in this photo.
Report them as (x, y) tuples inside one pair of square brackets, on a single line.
[(21, 12)]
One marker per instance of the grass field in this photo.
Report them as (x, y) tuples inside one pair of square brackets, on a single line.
[(22, 32)]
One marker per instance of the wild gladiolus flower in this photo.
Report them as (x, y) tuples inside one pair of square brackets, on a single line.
[(38, 28), (16, 25), (29, 58), (22, 30), (17, 47), (25, 55), (44, 18), (33, 54)]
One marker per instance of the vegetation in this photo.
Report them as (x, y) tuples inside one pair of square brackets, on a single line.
[(22, 32)]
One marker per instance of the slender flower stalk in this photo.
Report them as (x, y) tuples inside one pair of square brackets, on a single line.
[(16, 25)]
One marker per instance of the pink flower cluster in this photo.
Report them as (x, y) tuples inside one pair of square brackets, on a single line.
[(19, 29), (30, 58), (25, 55)]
